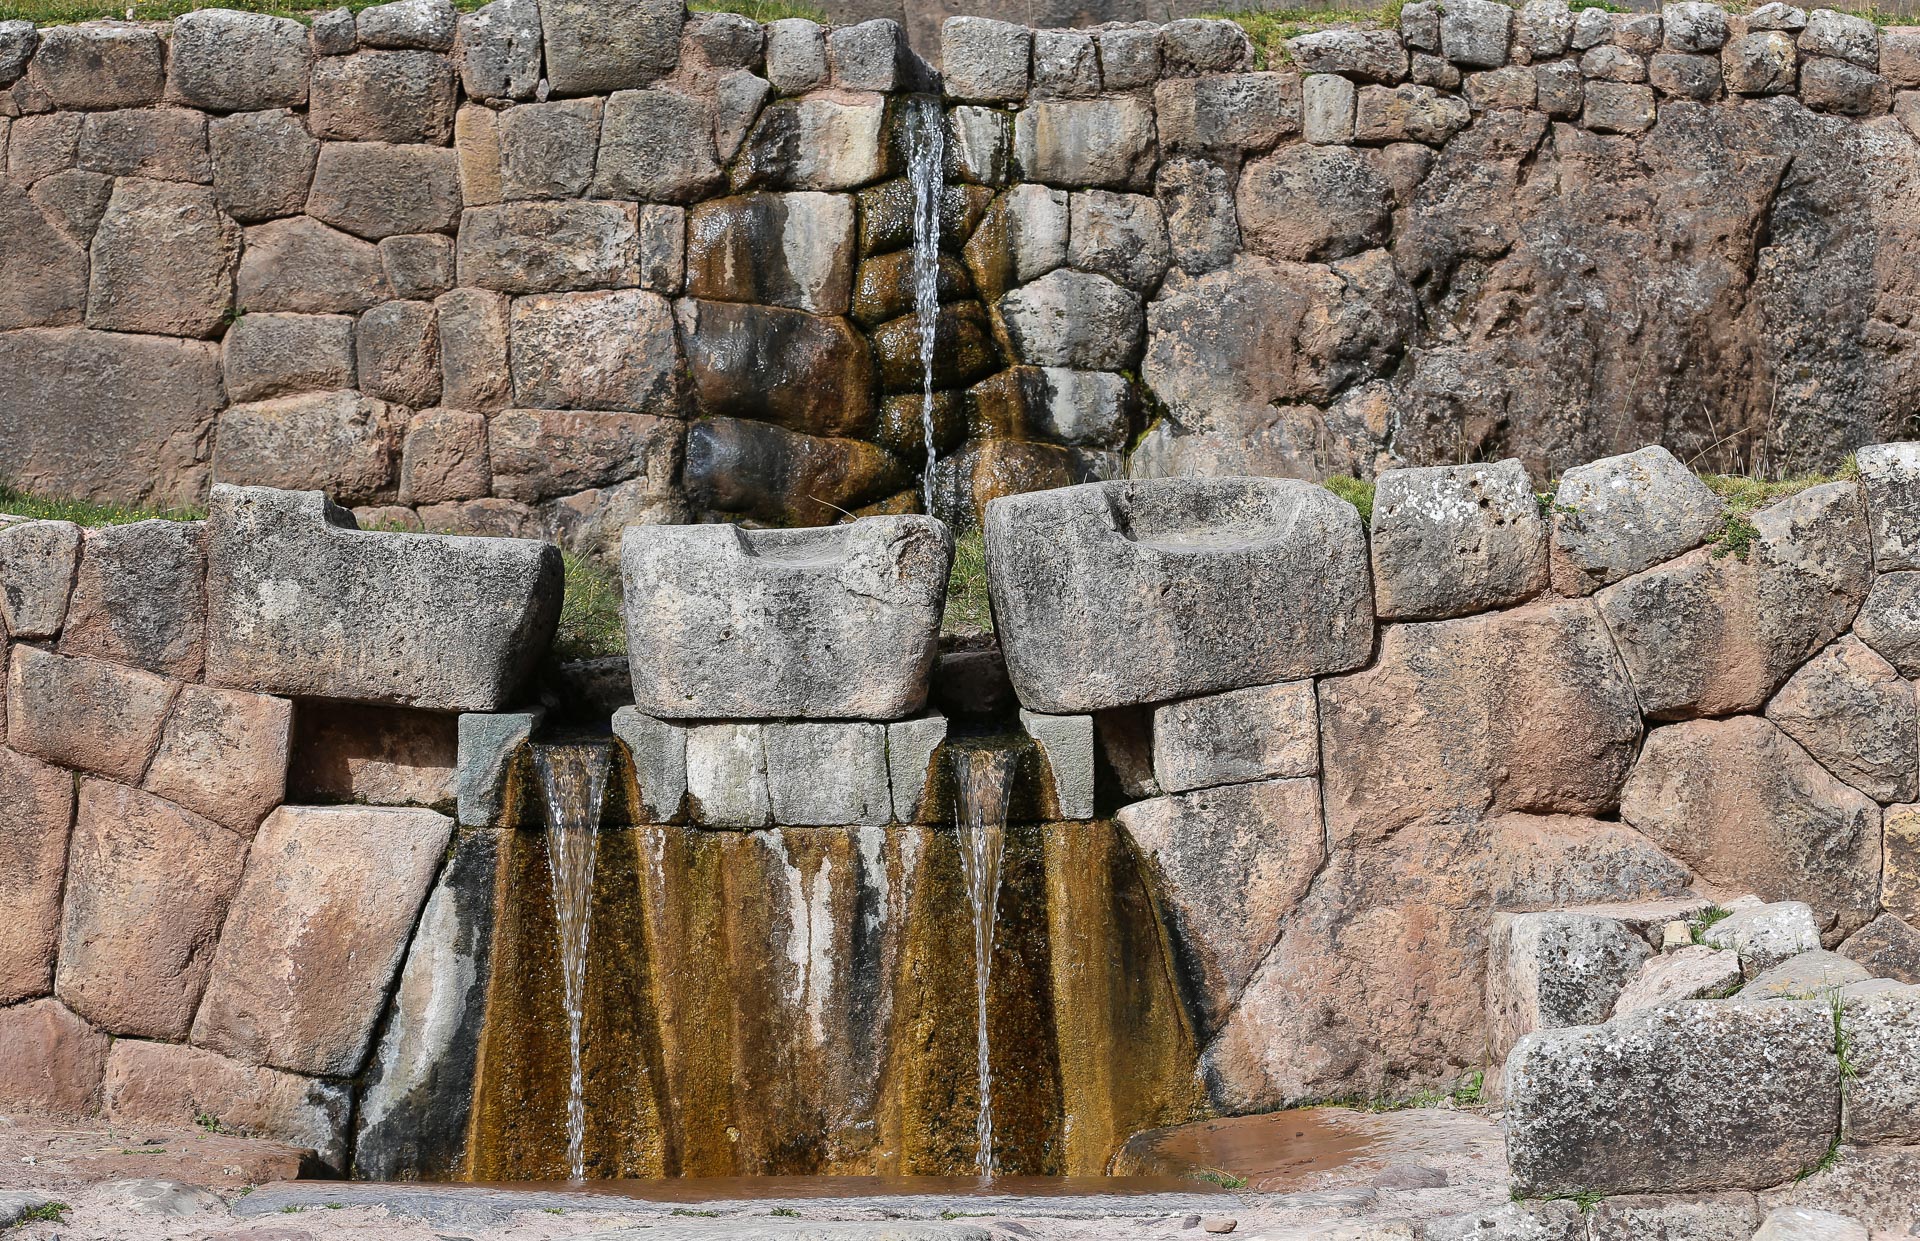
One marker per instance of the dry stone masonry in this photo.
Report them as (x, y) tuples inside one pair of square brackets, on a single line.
[(554, 270)]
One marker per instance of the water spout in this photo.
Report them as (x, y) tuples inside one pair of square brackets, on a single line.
[(982, 779), (926, 154), (574, 781)]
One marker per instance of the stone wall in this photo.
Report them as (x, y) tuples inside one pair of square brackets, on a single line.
[(555, 272)]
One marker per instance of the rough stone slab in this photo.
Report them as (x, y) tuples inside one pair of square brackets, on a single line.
[(135, 941), (911, 747), (225, 61), (317, 930), (549, 247), (1809, 1224), (1889, 620), (379, 189), (1512, 1221), (1521, 710), (826, 775), (302, 266), (595, 46), (165, 1083), (414, 1106), (1546, 971), (796, 53), (1313, 204), (826, 140), (38, 810), (1225, 115), (426, 24), (1086, 143), (164, 144), (1694, 1217), (139, 597), (1194, 45), (500, 50), (984, 61), (1816, 975), (1890, 473), (1765, 935), (224, 755), (475, 370), (792, 250), (38, 560), (659, 752), (543, 454), (99, 65), (85, 713), (1619, 515), (1697, 1096), (1883, 1049), (419, 267), (1746, 808), (1327, 109), (1232, 864), (1450, 540), (1854, 713), (1258, 733), (1067, 757), (826, 623), (597, 351), (1101, 589), (300, 602), (397, 354), (399, 97), (50, 1060), (1692, 973), (727, 775), (657, 146), (50, 287), (343, 442), (488, 745), (163, 261), (1709, 634), (1889, 947), (269, 355)]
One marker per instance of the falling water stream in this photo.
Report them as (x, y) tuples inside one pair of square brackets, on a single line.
[(926, 152), (574, 780), (982, 778)]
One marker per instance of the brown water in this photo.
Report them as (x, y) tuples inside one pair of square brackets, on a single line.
[(764, 1188), (1280, 1152)]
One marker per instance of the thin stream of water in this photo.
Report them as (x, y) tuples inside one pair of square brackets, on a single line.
[(574, 781), (926, 153), (982, 777)]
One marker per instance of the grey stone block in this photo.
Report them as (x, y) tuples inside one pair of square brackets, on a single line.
[(302, 602), (1326, 109), (1889, 620), (488, 745), (1544, 28), (547, 150), (1810, 1224), (1816, 975), (1695, 1217), (727, 775), (1098, 143), (378, 189), (1694, 972), (1196, 45), (829, 623), (827, 775), (227, 61), (1074, 319), (1843, 35), (979, 145), (38, 560), (17, 41), (1549, 970), (656, 146), (1371, 55), (911, 745), (1890, 473), (659, 750), (1883, 1049), (1066, 749), (1512, 1221), (1765, 935), (1475, 32), (870, 56), (1619, 515), (1129, 55), (429, 25), (548, 247), (594, 46), (796, 55), (1065, 64), (499, 50), (268, 355), (1693, 26), (1111, 594), (99, 65), (333, 33), (1258, 733), (1226, 114), (1454, 539), (1702, 1095), (384, 96), (263, 164), (985, 61)]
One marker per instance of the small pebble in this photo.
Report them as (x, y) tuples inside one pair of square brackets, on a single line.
[(1192, 1221), (1676, 935), (1220, 1226)]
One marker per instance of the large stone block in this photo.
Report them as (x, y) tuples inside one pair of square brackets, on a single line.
[(594, 46), (826, 623), (1225, 115), (1546, 971), (811, 373), (1313, 203), (1259, 733), (1231, 864), (1086, 143), (1744, 806), (1889, 620), (426, 24), (727, 775), (46, 282), (318, 928), (796, 55), (1764, 935), (547, 150), (541, 454), (1715, 632), (612, 351), (1371, 55), (656, 146), (827, 775), (1110, 594), (224, 755), (782, 477), (1619, 515), (36, 809), (827, 140), (70, 390), (379, 189), (983, 60), (140, 598), (301, 602), (50, 1060), (1521, 710), (1890, 473), (163, 261), (384, 97), (226, 61), (1695, 972), (445, 458), (343, 442), (792, 250), (165, 144), (1695, 1217), (396, 349), (375, 756), (549, 247), (1883, 1052), (165, 1083), (269, 355), (38, 560), (136, 940), (499, 50), (1696, 1096), (1816, 975), (1889, 947), (85, 713), (475, 355), (1074, 319), (99, 65), (1449, 540), (1854, 713)]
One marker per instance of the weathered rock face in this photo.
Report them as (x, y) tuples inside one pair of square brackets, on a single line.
[(302, 602), (1615, 517), (33, 857), (50, 1060), (1082, 588), (147, 1082), (817, 624), (1546, 971), (1852, 711), (1449, 540)]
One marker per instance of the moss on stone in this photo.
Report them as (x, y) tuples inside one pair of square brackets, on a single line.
[(591, 623), (968, 611), (1355, 491)]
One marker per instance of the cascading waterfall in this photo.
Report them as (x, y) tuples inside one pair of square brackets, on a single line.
[(982, 778), (926, 154), (574, 780)]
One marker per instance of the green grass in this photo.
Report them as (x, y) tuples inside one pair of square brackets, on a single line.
[(60, 12), (45, 1213), (1269, 29), (85, 512), (1744, 495), (967, 607), (1706, 918), (1355, 491), (591, 623), (762, 10), (1225, 1180)]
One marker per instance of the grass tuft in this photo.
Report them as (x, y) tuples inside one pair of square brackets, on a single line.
[(86, 512), (762, 10), (1216, 1176), (968, 610), (591, 623), (1705, 919), (1269, 29), (46, 1213), (63, 12), (1355, 491)]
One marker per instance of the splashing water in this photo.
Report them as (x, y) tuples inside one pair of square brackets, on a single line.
[(926, 153), (574, 779), (982, 778)]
